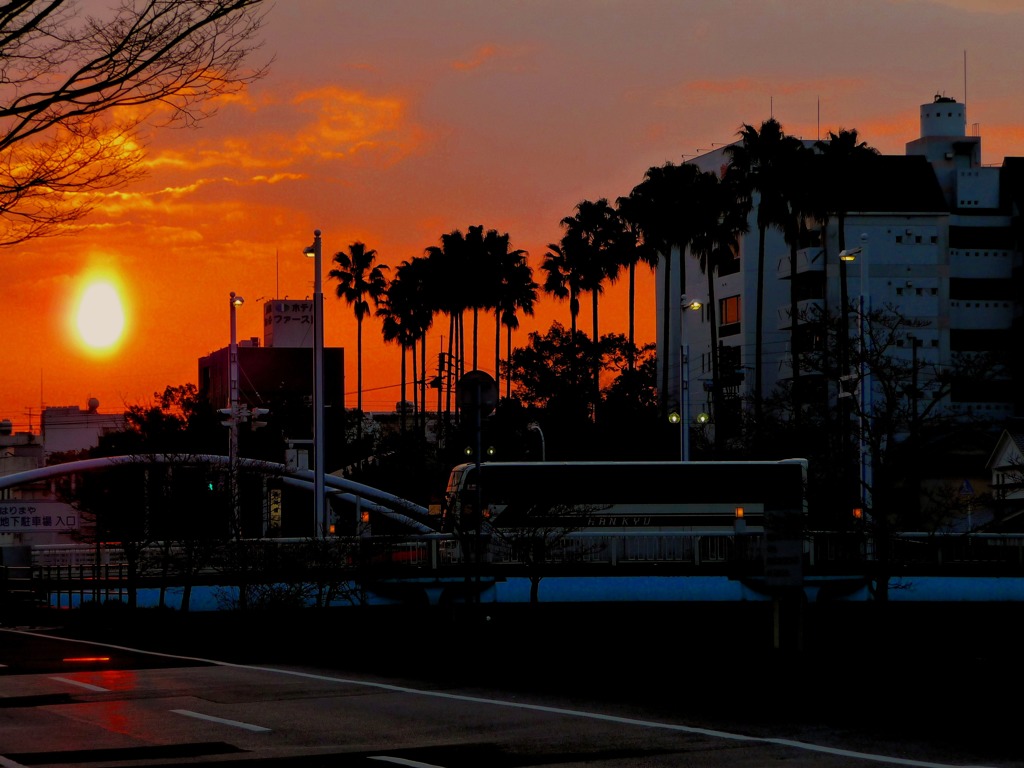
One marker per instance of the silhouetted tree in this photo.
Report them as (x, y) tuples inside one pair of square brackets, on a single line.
[(360, 281), (593, 237), (759, 159), (661, 208), (78, 88)]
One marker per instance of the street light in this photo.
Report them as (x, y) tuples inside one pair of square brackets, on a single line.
[(320, 522), (234, 302), (694, 305), (864, 335), (533, 426)]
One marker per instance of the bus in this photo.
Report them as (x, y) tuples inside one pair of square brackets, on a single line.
[(611, 497)]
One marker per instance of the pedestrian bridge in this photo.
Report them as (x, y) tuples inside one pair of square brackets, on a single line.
[(407, 514)]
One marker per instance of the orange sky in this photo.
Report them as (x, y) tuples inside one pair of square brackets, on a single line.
[(395, 122)]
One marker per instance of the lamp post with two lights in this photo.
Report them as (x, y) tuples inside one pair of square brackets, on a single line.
[(234, 302), (320, 521), (683, 419)]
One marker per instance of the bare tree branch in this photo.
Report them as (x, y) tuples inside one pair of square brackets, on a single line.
[(72, 85)]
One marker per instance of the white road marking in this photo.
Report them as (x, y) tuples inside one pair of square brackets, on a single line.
[(403, 761), (806, 746), (87, 686), (5, 763), (222, 721)]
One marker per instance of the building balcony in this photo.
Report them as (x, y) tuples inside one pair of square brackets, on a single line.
[(807, 308), (807, 260)]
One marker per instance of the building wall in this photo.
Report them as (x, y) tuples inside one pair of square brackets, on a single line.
[(949, 265), (69, 428)]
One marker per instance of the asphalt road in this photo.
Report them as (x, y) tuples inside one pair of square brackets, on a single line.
[(603, 686)]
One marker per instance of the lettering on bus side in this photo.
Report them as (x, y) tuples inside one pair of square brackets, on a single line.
[(599, 521)]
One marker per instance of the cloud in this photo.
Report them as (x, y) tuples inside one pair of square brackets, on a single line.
[(347, 123), (480, 55), (278, 177)]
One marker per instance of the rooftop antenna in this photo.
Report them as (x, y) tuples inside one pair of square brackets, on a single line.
[(818, 129), (965, 81), (277, 287), (771, 107)]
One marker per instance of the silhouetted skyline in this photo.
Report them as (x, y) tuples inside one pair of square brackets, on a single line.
[(393, 123)]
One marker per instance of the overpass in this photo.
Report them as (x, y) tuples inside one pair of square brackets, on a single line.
[(407, 513)]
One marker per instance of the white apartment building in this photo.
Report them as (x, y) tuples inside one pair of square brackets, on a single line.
[(940, 235)]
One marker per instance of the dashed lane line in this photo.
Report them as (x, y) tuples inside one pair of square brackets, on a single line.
[(653, 724)]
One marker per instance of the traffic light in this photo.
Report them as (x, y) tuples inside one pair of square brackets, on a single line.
[(257, 414), (858, 513), (228, 415)]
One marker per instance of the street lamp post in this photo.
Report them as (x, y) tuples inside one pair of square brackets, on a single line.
[(234, 301), (866, 386), (320, 522), (864, 337), (685, 303)]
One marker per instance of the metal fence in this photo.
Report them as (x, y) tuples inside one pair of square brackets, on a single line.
[(66, 575)]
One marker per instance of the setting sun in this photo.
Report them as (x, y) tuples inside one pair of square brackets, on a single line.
[(100, 316)]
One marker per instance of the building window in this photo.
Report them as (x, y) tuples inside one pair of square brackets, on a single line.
[(729, 310), (729, 316)]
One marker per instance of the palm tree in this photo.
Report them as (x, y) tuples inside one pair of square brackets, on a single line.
[(359, 282), (796, 188), (633, 250), (562, 280), (401, 312), (844, 157), (592, 236), (408, 315), (514, 289), (661, 208), (479, 273), (757, 158), (447, 267), (718, 224)]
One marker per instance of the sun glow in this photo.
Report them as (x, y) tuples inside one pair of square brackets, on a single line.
[(100, 317)]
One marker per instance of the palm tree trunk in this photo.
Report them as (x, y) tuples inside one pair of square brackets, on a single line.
[(666, 326), (716, 372), (476, 329), (631, 359), (497, 349), (423, 384), (759, 329), (359, 383), (401, 405), (415, 390), (508, 356), (597, 357), (794, 334)]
